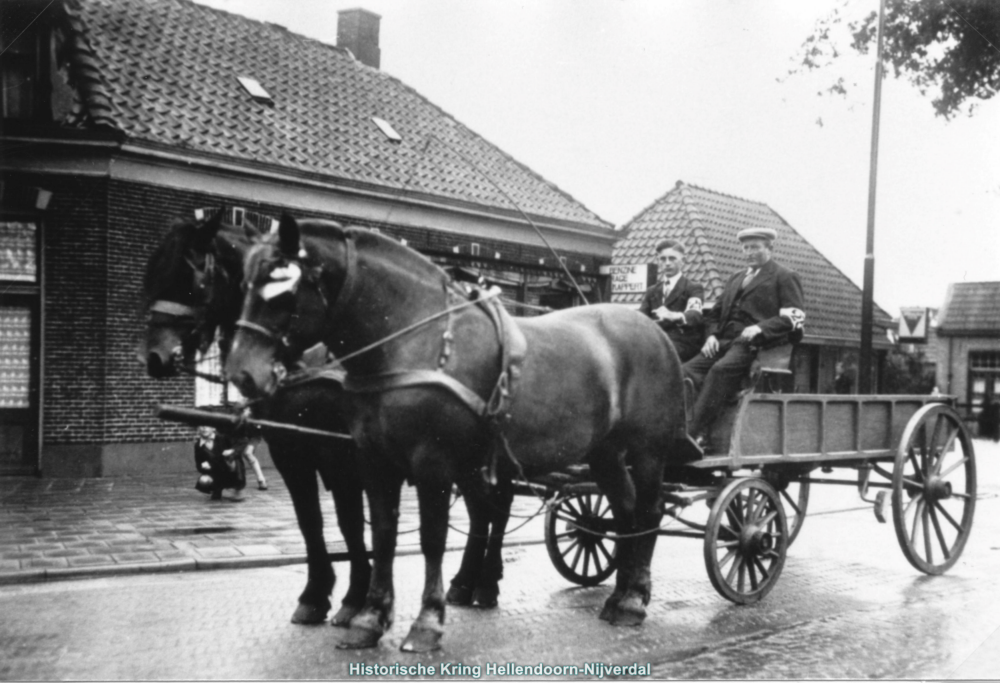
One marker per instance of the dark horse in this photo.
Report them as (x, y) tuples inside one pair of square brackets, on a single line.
[(194, 286), (598, 384), (193, 283)]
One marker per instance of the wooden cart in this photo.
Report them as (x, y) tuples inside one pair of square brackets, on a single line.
[(756, 490)]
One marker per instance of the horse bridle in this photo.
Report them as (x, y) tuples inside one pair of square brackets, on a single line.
[(191, 318), (392, 379), (345, 296)]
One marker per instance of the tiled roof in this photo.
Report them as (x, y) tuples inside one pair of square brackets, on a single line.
[(706, 222), (971, 308), (165, 72)]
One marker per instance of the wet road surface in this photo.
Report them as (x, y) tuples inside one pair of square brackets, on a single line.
[(847, 605)]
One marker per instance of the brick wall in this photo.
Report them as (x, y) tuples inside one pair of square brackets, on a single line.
[(956, 351), (137, 217), (74, 312)]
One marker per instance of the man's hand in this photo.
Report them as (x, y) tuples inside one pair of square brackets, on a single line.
[(664, 313), (749, 333), (711, 347)]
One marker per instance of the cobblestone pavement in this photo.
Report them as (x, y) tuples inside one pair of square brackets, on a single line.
[(847, 606), (69, 528)]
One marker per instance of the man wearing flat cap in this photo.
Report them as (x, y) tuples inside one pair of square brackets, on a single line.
[(675, 301), (761, 306)]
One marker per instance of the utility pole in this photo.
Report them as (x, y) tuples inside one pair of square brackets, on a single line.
[(867, 296)]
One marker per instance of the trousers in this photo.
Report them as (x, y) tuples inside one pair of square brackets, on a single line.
[(717, 380)]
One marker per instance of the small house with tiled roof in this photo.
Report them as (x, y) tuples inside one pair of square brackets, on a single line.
[(706, 223), (119, 116), (966, 343)]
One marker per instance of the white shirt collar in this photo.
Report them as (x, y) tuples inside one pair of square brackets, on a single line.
[(668, 285)]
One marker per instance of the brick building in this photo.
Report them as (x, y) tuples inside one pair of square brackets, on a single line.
[(966, 344), (119, 116), (707, 222)]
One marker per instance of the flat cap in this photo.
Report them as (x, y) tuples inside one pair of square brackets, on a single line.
[(758, 234)]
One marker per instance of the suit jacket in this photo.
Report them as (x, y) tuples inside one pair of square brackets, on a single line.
[(686, 297), (773, 300)]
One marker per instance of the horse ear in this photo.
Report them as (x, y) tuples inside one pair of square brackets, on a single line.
[(207, 231), (288, 235)]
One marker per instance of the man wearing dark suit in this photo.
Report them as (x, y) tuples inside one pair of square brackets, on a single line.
[(760, 307), (675, 301)]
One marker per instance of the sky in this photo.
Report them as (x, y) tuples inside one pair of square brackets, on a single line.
[(614, 101)]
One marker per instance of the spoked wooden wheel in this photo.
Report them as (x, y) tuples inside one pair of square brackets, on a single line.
[(576, 529), (934, 488), (746, 540), (794, 496)]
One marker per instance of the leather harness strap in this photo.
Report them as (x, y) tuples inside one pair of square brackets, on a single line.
[(373, 384), (173, 308)]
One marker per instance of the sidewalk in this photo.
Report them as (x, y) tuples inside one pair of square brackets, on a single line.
[(52, 529)]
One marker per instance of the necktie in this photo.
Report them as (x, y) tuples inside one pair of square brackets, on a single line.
[(749, 276)]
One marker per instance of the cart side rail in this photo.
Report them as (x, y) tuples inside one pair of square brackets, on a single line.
[(814, 428)]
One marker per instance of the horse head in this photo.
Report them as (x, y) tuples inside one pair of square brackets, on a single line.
[(192, 286), (284, 307), (313, 281)]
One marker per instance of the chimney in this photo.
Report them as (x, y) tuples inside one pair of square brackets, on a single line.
[(357, 30)]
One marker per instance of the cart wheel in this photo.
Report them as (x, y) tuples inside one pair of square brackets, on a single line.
[(746, 540), (582, 557), (934, 488), (794, 496)]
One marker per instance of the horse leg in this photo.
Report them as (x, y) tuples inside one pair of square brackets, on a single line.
[(488, 587), (608, 468), (348, 498), (377, 615), (433, 491), (647, 512), (314, 602), (475, 492), (464, 583)]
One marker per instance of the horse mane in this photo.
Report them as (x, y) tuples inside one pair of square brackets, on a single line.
[(369, 240), (162, 269)]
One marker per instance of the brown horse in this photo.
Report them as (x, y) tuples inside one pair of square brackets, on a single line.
[(193, 285), (439, 382)]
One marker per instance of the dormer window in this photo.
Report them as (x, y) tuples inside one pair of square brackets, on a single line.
[(23, 67)]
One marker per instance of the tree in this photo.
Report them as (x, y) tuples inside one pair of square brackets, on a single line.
[(907, 373), (949, 48)]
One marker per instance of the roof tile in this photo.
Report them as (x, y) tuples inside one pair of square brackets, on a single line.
[(707, 222), (971, 308), (165, 71)]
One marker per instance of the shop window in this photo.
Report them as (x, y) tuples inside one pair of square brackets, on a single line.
[(207, 392), (17, 252), (984, 378), (15, 357)]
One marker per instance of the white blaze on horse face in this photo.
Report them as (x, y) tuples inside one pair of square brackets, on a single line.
[(283, 280)]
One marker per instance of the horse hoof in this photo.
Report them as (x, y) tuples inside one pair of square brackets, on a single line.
[(308, 614), (610, 606), (422, 639), (486, 598), (358, 638), (344, 615), (628, 612), (459, 595)]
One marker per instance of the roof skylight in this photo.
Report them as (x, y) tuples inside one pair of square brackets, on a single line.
[(255, 89), (387, 129)]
